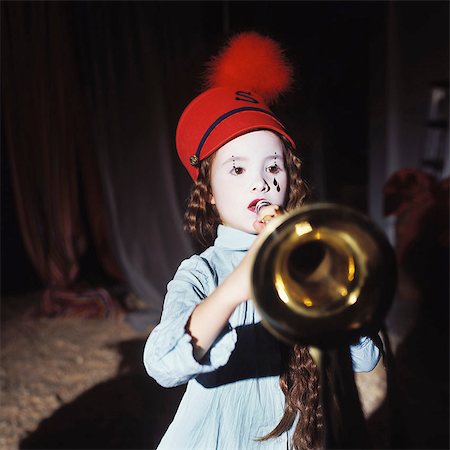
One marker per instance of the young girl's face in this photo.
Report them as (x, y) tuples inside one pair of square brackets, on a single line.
[(245, 170)]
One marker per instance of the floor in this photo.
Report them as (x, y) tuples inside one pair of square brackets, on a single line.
[(80, 383), (76, 383)]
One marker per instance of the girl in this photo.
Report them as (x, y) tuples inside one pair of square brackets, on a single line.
[(245, 390)]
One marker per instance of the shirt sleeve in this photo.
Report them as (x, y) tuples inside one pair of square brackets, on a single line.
[(365, 355), (168, 352)]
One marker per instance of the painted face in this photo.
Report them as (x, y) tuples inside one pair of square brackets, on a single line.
[(244, 171)]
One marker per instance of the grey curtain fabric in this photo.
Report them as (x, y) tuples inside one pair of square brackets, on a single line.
[(127, 72)]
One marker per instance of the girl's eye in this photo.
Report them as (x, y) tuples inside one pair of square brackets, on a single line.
[(273, 169), (237, 170)]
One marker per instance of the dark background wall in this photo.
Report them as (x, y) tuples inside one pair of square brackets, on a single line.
[(358, 110)]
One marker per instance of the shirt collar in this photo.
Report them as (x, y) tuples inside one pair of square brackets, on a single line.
[(233, 239)]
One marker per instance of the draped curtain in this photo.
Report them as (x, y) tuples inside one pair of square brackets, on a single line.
[(91, 95), (127, 72), (38, 110), (41, 111)]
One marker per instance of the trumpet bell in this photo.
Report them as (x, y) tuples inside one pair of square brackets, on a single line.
[(323, 275)]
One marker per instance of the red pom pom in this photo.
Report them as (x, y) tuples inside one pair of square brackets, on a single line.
[(253, 62)]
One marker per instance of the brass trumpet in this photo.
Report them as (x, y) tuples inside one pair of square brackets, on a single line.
[(324, 275)]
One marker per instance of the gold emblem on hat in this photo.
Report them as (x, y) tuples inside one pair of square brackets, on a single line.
[(193, 159)]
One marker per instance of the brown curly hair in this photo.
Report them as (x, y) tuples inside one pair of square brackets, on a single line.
[(299, 379)]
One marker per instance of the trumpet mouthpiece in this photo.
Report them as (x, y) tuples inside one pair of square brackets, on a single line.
[(261, 205)]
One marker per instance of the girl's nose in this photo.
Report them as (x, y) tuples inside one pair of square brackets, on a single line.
[(260, 185)]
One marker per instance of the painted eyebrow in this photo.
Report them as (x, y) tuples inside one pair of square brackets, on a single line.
[(272, 159), (234, 158), (243, 158)]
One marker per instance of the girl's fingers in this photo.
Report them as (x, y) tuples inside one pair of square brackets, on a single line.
[(270, 210), (265, 215)]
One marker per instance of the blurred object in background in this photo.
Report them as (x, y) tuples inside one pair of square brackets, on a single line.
[(419, 202), (419, 321)]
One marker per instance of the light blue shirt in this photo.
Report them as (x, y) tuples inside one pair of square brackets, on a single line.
[(233, 396)]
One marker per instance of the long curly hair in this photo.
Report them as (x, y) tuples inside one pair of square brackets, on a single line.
[(299, 381), (299, 378)]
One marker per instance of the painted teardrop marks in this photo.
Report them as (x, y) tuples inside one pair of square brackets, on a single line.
[(275, 182)]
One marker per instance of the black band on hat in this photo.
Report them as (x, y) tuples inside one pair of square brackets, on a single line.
[(225, 116)]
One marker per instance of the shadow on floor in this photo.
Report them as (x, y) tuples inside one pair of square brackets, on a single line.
[(130, 411)]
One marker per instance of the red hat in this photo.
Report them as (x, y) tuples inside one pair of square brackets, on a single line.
[(248, 74)]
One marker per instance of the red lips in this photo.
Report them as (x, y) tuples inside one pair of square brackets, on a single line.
[(252, 204)]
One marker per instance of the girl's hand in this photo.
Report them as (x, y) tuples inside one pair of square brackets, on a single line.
[(266, 214), (241, 276)]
